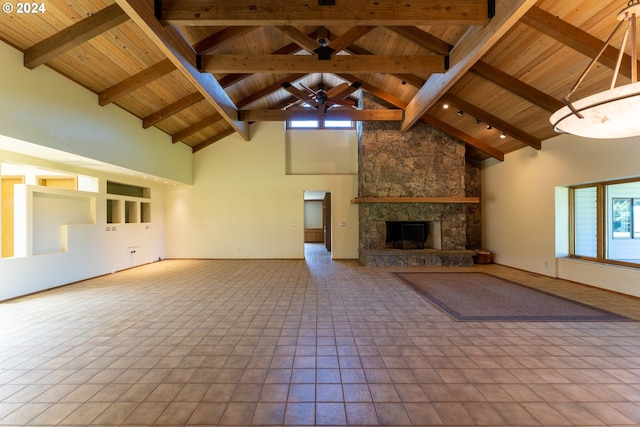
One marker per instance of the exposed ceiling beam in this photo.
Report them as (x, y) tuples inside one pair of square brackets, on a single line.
[(347, 114), (195, 128), (74, 35), (221, 37), (473, 44), (213, 139), (412, 79), (311, 64), (422, 38), (467, 139), (298, 37), (136, 81), (184, 58), (438, 124), (272, 88), (231, 79), (282, 12), (575, 38), (494, 121), (518, 87), (171, 109), (349, 37), (483, 69)]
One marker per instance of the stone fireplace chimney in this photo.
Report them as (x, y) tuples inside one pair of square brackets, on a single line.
[(421, 164)]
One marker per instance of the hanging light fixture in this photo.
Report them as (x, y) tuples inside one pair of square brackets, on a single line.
[(612, 113)]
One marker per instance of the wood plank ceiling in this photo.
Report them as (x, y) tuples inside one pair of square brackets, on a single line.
[(201, 70)]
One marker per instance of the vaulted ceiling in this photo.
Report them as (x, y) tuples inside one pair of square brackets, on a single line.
[(202, 70)]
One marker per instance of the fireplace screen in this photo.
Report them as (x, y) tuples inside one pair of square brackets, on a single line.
[(407, 234)]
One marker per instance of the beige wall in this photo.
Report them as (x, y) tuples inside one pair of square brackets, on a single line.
[(520, 198), (42, 107), (243, 205), (43, 114)]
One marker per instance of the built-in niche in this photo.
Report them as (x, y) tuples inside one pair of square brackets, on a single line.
[(145, 212), (128, 203), (114, 211), (130, 212)]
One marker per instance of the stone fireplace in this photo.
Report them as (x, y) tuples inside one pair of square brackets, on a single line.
[(417, 177)]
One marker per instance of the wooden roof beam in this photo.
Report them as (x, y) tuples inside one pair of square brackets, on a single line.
[(576, 39), (467, 139), (171, 109), (438, 124), (516, 86), (412, 79), (298, 37), (494, 121), (221, 37), (282, 12), (483, 69), (422, 38), (74, 35), (306, 114), (471, 47), (182, 55), (195, 128), (136, 81), (231, 79), (311, 64), (272, 88)]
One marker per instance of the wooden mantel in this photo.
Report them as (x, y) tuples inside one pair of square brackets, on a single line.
[(415, 200)]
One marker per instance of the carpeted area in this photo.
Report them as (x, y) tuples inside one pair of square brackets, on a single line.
[(483, 297)]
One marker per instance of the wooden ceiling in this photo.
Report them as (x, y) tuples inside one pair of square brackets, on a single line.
[(201, 70)]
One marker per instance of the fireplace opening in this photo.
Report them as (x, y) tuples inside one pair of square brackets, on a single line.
[(407, 234)]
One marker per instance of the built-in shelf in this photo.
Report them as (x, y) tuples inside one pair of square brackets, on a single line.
[(415, 200)]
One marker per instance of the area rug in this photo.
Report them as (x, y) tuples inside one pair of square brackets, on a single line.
[(483, 297)]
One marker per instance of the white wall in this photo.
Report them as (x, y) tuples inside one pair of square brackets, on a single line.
[(519, 206), (75, 242), (243, 205), (312, 214), (42, 107)]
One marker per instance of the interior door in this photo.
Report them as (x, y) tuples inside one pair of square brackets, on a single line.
[(326, 220), (7, 213)]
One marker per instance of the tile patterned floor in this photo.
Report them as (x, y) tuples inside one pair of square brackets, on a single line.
[(297, 343)]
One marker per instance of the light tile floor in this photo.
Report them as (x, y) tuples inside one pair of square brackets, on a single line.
[(295, 343)]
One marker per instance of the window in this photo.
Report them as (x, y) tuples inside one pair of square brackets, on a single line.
[(605, 221), (321, 124)]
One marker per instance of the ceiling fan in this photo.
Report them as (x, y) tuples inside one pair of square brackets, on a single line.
[(321, 99)]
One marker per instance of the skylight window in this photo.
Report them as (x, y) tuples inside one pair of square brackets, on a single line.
[(321, 124)]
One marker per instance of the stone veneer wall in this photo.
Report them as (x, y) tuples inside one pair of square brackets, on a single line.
[(422, 162)]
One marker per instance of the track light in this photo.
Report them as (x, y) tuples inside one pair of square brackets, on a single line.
[(460, 113), (445, 106), (478, 121), (488, 127), (503, 136)]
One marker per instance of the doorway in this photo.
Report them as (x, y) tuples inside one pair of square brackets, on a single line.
[(317, 220)]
